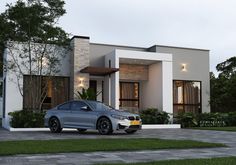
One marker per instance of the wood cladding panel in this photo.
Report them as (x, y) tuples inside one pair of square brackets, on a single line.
[(133, 72)]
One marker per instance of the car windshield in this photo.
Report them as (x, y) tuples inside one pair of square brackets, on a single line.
[(99, 106)]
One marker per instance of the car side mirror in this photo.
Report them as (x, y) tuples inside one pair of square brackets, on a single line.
[(85, 108)]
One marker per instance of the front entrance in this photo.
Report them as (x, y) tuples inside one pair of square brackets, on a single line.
[(129, 96), (93, 86)]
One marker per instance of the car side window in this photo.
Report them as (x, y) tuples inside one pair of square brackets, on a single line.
[(65, 106), (77, 105)]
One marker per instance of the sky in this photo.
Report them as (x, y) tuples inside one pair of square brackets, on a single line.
[(204, 24)]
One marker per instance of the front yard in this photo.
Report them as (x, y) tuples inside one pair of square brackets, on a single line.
[(89, 145)]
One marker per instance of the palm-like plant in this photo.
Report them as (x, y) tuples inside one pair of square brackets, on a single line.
[(87, 94)]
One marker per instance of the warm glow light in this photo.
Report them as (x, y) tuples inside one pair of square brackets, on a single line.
[(81, 82), (184, 67), (44, 61)]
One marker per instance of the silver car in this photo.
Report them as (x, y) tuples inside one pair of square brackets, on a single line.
[(85, 114)]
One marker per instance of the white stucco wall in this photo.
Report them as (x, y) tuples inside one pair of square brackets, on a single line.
[(157, 91), (13, 98), (152, 89)]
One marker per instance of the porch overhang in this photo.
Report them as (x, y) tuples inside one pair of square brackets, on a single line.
[(99, 71)]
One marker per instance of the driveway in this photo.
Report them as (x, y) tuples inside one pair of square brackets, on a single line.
[(228, 138)]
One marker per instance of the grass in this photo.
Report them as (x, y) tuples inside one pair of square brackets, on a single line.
[(210, 161), (89, 145), (232, 129)]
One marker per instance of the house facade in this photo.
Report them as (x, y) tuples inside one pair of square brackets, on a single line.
[(172, 79)]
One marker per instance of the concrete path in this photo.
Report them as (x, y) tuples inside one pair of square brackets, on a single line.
[(228, 138)]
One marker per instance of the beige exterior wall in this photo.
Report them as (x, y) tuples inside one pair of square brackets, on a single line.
[(79, 60), (133, 72), (197, 68)]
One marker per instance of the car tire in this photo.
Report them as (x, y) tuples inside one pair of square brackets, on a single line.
[(81, 130), (54, 125), (130, 131), (104, 126)]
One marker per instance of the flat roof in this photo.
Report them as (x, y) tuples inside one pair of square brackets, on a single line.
[(125, 46), (136, 47), (177, 47)]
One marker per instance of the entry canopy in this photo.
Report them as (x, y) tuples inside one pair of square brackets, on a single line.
[(99, 71)]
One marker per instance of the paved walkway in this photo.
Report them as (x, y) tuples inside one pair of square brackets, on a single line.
[(228, 138)]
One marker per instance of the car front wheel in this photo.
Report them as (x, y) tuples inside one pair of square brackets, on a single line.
[(104, 126), (54, 125)]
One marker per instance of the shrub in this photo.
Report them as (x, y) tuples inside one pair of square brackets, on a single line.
[(187, 119), (154, 116), (212, 119), (27, 119), (207, 119), (230, 120)]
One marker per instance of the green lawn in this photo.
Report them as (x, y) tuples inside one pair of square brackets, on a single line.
[(213, 161), (88, 145), (233, 129)]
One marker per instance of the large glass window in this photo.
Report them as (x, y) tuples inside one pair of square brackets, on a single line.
[(187, 96), (44, 92), (129, 94)]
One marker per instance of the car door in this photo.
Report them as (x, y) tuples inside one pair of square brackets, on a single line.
[(82, 117), (64, 112)]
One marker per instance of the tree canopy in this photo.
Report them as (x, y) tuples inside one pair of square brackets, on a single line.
[(223, 87), (30, 32)]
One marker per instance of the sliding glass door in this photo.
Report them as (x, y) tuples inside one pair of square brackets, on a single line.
[(186, 96)]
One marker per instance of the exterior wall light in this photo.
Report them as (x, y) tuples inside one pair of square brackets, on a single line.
[(184, 67), (44, 61), (81, 82)]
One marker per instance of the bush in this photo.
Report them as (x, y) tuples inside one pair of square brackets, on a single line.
[(206, 119), (154, 116), (231, 119), (27, 119), (212, 119), (187, 120)]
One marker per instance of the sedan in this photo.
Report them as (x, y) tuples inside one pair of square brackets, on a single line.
[(86, 114)]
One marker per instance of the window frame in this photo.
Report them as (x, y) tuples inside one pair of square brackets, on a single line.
[(183, 91), (125, 99)]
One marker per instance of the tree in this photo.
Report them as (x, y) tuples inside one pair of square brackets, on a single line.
[(223, 87), (35, 44)]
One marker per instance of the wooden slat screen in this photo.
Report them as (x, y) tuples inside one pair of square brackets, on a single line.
[(32, 87)]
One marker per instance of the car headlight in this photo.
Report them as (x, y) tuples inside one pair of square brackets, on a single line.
[(119, 117)]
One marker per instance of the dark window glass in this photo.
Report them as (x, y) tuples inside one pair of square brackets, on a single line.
[(178, 92), (192, 93), (77, 105), (65, 106), (129, 94), (186, 96)]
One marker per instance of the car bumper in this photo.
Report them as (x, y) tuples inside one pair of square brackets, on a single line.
[(128, 125)]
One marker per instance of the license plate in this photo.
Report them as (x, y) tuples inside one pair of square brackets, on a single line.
[(135, 122)]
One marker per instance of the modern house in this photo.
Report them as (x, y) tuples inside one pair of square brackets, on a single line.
[(172, 79)]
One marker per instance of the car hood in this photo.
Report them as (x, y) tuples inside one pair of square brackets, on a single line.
[(121, 112)]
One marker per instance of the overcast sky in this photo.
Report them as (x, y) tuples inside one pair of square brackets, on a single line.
[(206, 24)]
